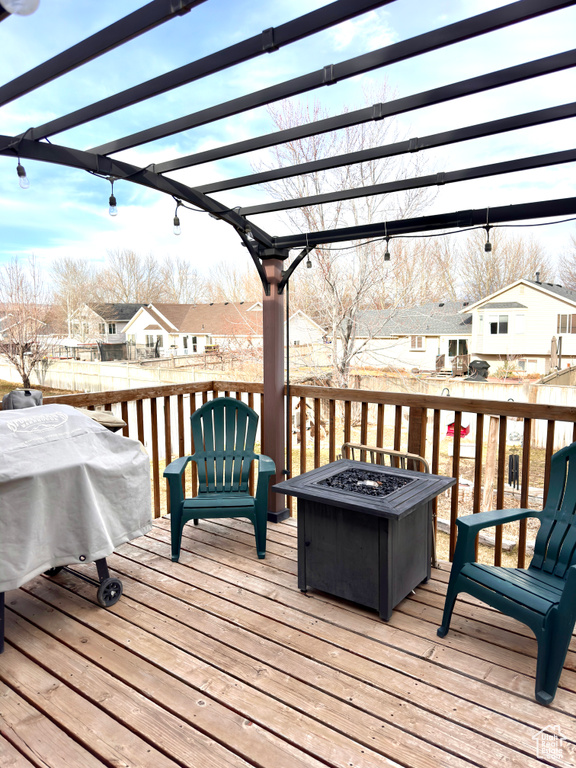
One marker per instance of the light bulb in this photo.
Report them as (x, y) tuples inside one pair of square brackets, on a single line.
[(177, 229), (387, 251), (112, 210), (23, 180), (309, 263)]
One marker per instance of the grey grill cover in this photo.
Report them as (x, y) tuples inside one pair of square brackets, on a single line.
[(70, 491)]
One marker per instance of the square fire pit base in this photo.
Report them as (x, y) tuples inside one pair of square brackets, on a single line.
[(371, 550)]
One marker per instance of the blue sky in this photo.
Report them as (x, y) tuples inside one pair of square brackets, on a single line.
[(65, 211)]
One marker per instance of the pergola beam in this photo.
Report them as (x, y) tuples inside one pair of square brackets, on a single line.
[(469, 87), (109, 167), (268, 41), (435, 179), (142, 20), (416, 144), (435, 223), (429, 41)]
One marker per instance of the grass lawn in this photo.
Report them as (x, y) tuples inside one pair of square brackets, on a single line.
[(8, 386)]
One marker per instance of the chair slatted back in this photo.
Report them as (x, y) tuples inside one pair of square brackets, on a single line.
[(224, 433), (399, 459), (555, 545)]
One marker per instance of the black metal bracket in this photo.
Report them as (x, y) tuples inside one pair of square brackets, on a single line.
[(287, 274), (253, 251)]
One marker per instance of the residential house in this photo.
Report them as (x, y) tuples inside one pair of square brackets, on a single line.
[(413, 337), (181, 329), (518, 324), (101, 322)]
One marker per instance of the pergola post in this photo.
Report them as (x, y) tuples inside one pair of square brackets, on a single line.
[(273, 420)]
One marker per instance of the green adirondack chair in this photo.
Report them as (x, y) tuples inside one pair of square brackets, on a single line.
[(543, 596), (224, 431)]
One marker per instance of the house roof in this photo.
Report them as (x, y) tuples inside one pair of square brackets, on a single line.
[(119, 313), (505, 305), (217, 319), (556, 290), (432, 319)]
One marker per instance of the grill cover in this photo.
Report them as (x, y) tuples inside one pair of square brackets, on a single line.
[(70, 491)]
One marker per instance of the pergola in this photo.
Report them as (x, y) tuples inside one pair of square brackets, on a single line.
[(270, 253)]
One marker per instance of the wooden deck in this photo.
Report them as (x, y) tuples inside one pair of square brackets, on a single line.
[(219, 661)]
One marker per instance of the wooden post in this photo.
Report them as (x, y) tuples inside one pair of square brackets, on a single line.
[(273, 419), (490, 473)]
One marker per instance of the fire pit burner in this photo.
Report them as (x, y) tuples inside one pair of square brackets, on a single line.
[(366, 482)]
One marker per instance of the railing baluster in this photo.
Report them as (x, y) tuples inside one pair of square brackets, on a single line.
[(181, 442), (317, 417), (524, 490), (332, 430), (303, 419), (397, 427), (380, 426), (364, 424), (347, 421), (455, 488), (548, 456), (155, 459), (502, 433), (124, 411)]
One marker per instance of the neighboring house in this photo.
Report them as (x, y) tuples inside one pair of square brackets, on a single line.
[(414, 337), (304, 331), (102, 322), (182, 329), (519, 322)]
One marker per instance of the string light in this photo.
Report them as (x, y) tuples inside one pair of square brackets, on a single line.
[(487, 244), (23, 180), (387, 251), (177, 229), (308, 262), (112, 210)]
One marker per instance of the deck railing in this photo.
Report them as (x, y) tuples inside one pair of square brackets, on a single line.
[(471, 440)]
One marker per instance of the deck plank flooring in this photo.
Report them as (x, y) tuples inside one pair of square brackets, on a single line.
[(220, 661)]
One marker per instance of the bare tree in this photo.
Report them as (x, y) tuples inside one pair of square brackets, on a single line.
[(181, 283), (511, 258), (24, 311), (567, 265), (231, 283), (75, 282), (130, 278), (343, 280)]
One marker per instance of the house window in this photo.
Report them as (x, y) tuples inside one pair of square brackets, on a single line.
[(194, 344), (498, 324), (101, 328), (149, 341), (566, 324), (521, 365), (417, 343), (185, 342), (160, 340), (111, 328), (296, 343), (457, 347)]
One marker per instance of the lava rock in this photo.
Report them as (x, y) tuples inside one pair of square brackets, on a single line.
[(362, 481)]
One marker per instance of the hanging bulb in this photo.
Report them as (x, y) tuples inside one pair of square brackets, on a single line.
[(23, 180), (387, 251), (308, 263), (487, 244), (177, 230), (112, 210)]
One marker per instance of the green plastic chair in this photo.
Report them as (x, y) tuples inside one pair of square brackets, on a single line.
[(543, 596), (224, 431)]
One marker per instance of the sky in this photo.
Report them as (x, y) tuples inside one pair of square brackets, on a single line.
[(64, 213)]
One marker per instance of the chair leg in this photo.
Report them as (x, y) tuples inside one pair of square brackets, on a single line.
[(552, 648), (451, 595), (260, 526), (176, 533)]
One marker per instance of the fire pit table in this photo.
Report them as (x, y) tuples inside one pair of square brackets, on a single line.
[(364, 530)]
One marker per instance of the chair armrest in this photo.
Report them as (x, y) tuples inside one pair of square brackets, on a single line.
[(176, 468), (469, 526), (266, 468), (480, 520)]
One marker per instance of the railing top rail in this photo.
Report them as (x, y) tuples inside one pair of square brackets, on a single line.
[(123, 395), (467, 405)]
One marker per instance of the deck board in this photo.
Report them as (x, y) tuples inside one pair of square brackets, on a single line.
[(219, 660)]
